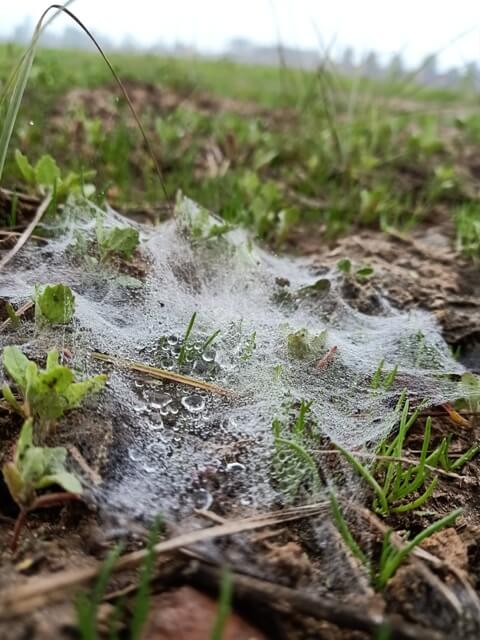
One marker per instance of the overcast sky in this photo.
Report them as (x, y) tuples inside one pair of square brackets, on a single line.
[(414, 27)]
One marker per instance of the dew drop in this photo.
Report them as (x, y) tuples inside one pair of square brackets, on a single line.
[(134, 454), (209, 355), (235, 467), (193, 403), (141, 409), (202, 499)]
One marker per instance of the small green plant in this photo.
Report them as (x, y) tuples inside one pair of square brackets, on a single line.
[(182, 356), (440, 456), (224, 606), (396, 483), (302, 345), (293, 465), (362, 273), (470, 387), (14, 319), (54, 304), (86, 604), (249, 347), (117, 241), (33, 469), (345, 532), (196, 222), (384, 381), (46, 174), (392, 555), (46, 394), (467, 225)]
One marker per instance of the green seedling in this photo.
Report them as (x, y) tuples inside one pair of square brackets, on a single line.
[(182, 356), (46, 394), (346, 534), (87, 604), (363, 273), (392, 555), (344, 265), (317, 290), (54, 304), (196, 222), (14, 319), (45, 174), (224, 606), (470, 388), (293, 465), (249, 347), (117, 241), (467, 225), (380, 380), (391, 482), (33, 469), (303, 345), (440, 456)]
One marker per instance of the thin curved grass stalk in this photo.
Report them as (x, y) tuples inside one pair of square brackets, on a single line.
[(365, 473), (20, 82), (162, 374), (345, 532)]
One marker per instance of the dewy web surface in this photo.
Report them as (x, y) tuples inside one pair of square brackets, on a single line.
[(172, 447)]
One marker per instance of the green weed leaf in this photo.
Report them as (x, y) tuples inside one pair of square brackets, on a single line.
[(47, 172), (25, 168), (55, 303), (15, 362)]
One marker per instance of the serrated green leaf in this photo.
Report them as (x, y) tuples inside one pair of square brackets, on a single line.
[(48, 393), (26, 169), (77, 391), (55, 303), (16, 363), (47, 172)]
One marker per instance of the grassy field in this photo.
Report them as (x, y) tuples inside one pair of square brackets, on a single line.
[(272, 149)]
